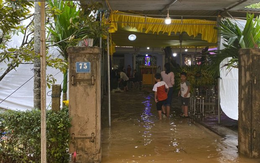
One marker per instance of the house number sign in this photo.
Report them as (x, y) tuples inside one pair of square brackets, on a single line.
[(83, 67)]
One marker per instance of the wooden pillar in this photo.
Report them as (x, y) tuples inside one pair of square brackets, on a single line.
[(108, 79), (219, 34), (134, 61), (194, 56), (43, 86), (249, 103), (163, 61), (181, 58), (56, 92)]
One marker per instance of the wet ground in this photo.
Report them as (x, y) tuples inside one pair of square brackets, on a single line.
[(137, 136)]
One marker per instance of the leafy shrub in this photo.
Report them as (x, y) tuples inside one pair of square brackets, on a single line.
[(21, 136), (202, 77), (199, 76)]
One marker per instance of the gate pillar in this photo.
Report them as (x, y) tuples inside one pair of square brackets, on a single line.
[(85, 104)]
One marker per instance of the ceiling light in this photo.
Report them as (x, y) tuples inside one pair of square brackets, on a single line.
[(186, 50), (174, 54), (132, 37), (168, 20), (130, 29), (148, 48)]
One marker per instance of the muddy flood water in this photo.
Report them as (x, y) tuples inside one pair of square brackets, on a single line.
[(137, 136)]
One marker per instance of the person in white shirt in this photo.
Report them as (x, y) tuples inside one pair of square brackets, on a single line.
[(185, 94), (123, 80)]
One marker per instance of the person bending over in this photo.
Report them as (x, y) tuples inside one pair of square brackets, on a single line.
[(123, 80)]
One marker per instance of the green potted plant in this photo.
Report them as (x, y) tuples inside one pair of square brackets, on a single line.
[(89, 27), (71, 24)]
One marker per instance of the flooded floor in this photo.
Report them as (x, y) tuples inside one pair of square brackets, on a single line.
[(137, 136)]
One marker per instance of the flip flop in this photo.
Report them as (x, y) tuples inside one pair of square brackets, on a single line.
[(183, 116)]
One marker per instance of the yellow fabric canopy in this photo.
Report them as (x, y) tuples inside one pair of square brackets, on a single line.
[(192, 27)]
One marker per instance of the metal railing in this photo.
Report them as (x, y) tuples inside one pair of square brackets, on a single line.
[(202, 105)]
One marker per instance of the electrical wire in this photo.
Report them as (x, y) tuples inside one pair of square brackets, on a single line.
[(21, 87), (16, 89), (109, 5)]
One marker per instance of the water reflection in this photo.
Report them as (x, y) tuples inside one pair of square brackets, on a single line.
[(227, 149), (138, 136), (148, 122)]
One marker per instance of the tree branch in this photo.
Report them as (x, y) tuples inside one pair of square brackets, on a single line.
[(58, 42), (25, 36), (10, 68), (27, 17), (31, 40), (3, 55)]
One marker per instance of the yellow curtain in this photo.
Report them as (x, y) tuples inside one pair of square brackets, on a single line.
[(192, 27)]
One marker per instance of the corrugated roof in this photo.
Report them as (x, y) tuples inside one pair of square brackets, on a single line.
[(178, 9), (194, 8)]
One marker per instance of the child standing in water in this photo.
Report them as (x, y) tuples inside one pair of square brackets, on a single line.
[(185, 94), (168, 78), (160, 93)]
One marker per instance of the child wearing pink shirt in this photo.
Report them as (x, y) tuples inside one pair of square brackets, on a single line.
[(168, 78)]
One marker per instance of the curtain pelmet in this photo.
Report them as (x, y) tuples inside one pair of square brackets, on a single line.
[(192, 27)]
